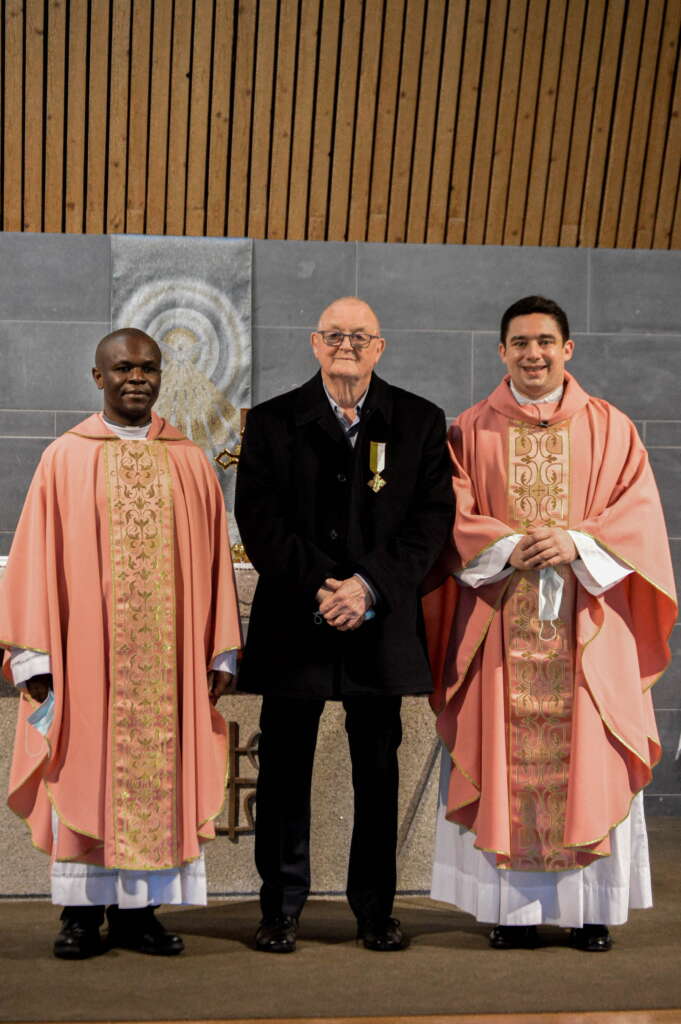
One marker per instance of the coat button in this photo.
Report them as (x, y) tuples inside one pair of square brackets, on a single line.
[(333, 534), (341, 478)]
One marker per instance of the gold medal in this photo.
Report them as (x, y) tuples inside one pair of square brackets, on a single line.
[(377, 465)]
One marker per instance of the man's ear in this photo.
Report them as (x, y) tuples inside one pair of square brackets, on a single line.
[(97, 377)]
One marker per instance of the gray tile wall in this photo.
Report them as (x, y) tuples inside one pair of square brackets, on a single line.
[(439, 307)]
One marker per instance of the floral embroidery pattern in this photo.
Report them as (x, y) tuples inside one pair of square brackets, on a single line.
[(143, 656)]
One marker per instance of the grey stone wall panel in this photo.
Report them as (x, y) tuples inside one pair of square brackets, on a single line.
[(667, 691), (48, 366), (435, 364), (54, 277), (21, 423), (638, 373), (664, 433), (282, 359), (18, 460), (457, 287), (667, 774), (294, 281), (635, 290)]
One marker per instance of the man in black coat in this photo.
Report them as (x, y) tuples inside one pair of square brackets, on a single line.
[(344, 501)]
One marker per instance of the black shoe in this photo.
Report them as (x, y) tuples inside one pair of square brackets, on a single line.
[(592, 938), (384, 936), (142, 931), (79, 937), (277, 934), (512, 936)]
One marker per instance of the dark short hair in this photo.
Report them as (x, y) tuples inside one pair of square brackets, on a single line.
[(535, 304)]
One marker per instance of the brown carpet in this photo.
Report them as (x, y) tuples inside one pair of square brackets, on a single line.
[(448, 968)]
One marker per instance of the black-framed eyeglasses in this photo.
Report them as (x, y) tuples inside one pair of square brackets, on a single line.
[(358, 339)]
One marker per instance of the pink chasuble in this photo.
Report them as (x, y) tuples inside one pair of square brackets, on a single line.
[(550, 725), (121, 571)]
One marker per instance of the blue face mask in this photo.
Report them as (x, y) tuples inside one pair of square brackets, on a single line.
[(41, 718)]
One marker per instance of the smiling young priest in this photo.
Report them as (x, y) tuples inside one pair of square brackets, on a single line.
[(119, 616), (545, 645)]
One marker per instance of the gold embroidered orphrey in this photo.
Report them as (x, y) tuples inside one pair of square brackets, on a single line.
[(143, 656), (540, 672)]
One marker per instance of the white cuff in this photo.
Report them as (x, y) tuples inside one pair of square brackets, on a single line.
[(596, 569), (26, 664), (488, 567), (225, 662)]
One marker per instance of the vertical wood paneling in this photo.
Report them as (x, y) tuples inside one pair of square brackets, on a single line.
[(406, 119), (180, 70), (237, 211), (581, 127), (602, 120), (659, 126), (530, 232), (324, 119), (220, 117), (669, 187), (75, 120), (365, 120), (508, 107), (528, 110), (621, 125), (487, 123), (199, 105), (562, 127), (158, 120), (464, 147), (263, 102), (301, 148), (282, 128), (54, 116), (13, 109), (33, 117), (422, 161), (118, 116), (344, 126), (626, 228), (140, 71), (448, 100), (97, 107), (552, 122), (385, 121)]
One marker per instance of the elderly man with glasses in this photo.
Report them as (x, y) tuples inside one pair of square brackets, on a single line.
[(344, 501)]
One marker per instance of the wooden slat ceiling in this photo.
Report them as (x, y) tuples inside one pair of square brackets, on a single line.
[(533, 122)]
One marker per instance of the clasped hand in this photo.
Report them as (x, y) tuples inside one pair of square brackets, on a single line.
[(543, 546), (343, 603)]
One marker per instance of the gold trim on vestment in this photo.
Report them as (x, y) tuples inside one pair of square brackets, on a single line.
[(8, 644), (143, 702), (539, 671)]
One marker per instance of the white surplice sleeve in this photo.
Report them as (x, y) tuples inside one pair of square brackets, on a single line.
[(26, 664), (225, 662), (596, 569)]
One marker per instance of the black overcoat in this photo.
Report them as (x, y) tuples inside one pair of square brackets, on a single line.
[(306, 512)]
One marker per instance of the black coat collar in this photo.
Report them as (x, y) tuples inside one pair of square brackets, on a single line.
[(312, 403)]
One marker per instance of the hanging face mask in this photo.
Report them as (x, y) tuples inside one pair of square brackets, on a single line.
[(41, 718)]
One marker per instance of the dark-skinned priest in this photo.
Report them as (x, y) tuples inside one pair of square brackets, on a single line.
[(120, 623)]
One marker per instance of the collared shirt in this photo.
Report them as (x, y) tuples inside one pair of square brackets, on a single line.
[(521, 399), (349, 429)]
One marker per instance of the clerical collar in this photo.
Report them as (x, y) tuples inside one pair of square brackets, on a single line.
[(521, 399), (127, 433)]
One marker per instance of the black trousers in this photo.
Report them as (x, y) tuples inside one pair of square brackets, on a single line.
[(282, 826)]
